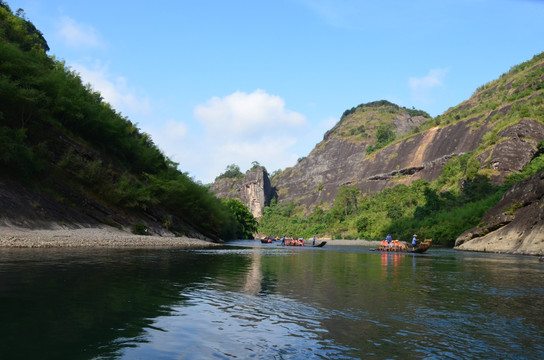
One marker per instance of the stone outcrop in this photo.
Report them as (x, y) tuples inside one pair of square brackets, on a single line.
[(341, 159), (515, 225), (37, 210), (335, 161), (500, 129), (254, 190)]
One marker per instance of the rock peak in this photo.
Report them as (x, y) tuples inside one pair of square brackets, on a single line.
[(253, 190)]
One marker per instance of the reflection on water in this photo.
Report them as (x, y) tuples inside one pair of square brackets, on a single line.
[(249, 300), (254, 275)]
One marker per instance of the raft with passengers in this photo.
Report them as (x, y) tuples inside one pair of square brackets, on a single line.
[(286, 241), (300, 242), (268, 240), (398, 246)]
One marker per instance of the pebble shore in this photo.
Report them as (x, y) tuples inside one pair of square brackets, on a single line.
[(92, 237)]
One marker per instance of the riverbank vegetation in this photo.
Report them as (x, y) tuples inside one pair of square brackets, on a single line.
[(58, 134), (441, 209), (423, 208)]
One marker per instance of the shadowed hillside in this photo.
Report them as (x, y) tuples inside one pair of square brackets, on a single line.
[(68, 159)]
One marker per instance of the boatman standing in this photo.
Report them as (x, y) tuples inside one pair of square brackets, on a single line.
[(313, 241), (414, 242), (389, 239)]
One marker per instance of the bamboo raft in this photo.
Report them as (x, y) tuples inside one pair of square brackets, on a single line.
[(402, 247)]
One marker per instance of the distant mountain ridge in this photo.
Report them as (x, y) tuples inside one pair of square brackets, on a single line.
[(496, 124), (494, 134)]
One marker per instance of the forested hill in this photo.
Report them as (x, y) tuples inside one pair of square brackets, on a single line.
[(68, 158), (387, 169)]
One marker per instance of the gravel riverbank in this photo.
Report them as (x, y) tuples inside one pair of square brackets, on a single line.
[(92, 237)]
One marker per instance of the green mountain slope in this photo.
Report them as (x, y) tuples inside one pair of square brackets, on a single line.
[(378, 170), (77, 155)]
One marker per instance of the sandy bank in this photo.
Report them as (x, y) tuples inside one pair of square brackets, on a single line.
[(92, 237)]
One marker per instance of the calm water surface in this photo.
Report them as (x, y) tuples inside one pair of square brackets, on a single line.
[(248, 300)]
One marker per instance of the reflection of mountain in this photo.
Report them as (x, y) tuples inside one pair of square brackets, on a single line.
[(254, 275), (326, 303), (66, 301)]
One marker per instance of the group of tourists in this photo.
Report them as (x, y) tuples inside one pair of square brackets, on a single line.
[(394, 245), (292, 241)]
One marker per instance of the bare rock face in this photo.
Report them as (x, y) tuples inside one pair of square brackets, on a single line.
[(517, 148), (341, 158), (515, 225), (254, 190), (27, 208), (336, 161)]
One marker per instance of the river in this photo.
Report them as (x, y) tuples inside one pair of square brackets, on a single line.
[(260, 301)]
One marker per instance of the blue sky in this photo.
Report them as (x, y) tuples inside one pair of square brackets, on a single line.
[(217, 82)]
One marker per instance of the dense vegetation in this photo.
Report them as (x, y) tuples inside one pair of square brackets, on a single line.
[(373, 123), (59, 134), (232, 171), (422, 208), (246, 224), (393, 108), (441, 209)]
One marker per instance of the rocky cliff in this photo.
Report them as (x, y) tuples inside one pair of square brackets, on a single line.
[(32, 208), (254, 190), (498, 131), (342, 159), (338, 161), (514, 225), (500, 126)]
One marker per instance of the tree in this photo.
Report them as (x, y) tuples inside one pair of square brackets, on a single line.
[(232, 171), (275, 173), (385, 133), (346, 200), (246, 223)]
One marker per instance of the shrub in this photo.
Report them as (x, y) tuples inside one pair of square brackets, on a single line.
[(139, 228)]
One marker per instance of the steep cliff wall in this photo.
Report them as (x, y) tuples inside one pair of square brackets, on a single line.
[(336, 161), (496, 132), (341, 158), (514, 225), (500, 127), (254, 190)]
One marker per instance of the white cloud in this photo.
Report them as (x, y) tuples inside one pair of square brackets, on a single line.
[(344, 14), (242, 114), (171, 137), (114, 90), (244, 127), (422, 87), (175, 130), (78, 35)]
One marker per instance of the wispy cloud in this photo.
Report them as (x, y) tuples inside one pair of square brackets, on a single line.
[(114, 90), (244, 127), (337, 13), (176, 130), (171, 137), (78, 35), (421, 87), (241, 114)]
